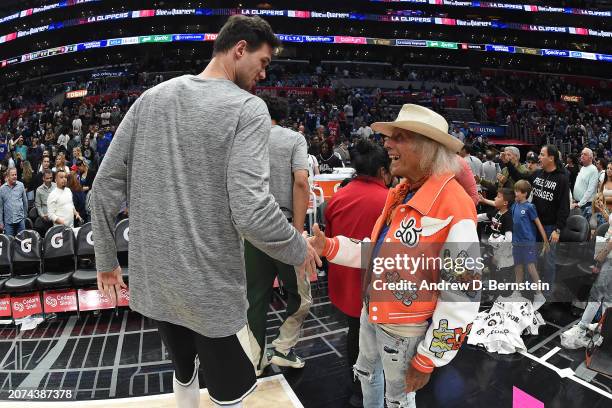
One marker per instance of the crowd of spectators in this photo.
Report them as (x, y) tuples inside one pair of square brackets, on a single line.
[(75, 134)]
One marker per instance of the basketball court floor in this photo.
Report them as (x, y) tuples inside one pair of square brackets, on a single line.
[(120, 356)]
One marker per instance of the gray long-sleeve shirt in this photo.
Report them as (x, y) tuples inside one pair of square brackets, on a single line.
[(191, 157)]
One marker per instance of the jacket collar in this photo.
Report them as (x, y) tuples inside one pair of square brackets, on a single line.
[(426, 195)]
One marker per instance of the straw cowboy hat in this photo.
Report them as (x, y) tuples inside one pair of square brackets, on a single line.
[(423, 121)]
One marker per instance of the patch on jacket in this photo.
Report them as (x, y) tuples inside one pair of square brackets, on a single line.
[(409, 235)]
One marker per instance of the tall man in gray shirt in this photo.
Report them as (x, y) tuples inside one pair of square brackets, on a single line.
[(186, 254), (289, 186)]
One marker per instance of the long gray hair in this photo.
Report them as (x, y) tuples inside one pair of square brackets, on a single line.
[(435, 158)]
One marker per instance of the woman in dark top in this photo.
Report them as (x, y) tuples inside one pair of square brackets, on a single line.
[(86, 178), (362, 198), (88, 152), (328, 160)]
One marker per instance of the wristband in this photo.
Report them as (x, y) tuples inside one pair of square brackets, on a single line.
[(331, 247)]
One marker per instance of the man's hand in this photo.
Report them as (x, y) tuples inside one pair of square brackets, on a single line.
[(573, 205), (78, 217), (480, 198), (60, 221), (110, 283), (554, 237), (477, 179), (312, 260), (415, 380), (317, 240), (45, 217), (501, 179)]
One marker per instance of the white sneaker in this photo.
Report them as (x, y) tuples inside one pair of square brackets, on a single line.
[(575, 338), (287, 360), (538, 301)]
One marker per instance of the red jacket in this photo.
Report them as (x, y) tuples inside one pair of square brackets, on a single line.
[(363, 199)]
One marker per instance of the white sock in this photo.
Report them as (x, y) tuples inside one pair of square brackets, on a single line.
[(187, 395), (589, 313)]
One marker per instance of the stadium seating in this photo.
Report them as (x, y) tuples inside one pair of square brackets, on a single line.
[(85, 274), (6, 266), (122, 242), (585, 266), (26, 252), (576, 231), (58, 258)]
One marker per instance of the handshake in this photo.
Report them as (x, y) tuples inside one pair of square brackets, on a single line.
[(314, 249)]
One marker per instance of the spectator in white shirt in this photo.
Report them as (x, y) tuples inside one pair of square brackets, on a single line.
[(348, 112), (63, 139), (313, 168), (458, 133), (60, 206), (105, 116), (473, 161), (601, 165), (365, 131), (490, 169)]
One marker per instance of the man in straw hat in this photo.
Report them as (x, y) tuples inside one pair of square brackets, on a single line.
[(407, 331)]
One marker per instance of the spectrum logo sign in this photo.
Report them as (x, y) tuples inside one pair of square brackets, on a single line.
[(555, 53)]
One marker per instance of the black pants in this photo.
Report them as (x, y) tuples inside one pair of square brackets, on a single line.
[(228, 371), (352, 348)]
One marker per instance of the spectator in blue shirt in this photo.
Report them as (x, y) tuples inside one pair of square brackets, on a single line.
[(20, 148), (13, 204), (104, 143), (3, 148), (524, 222)]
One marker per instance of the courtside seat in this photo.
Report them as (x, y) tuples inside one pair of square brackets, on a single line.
[(33, 214), (575, 233), (85, 274), (122, 241), (26, 250), (58, 258), (6, 266), (585, 266)]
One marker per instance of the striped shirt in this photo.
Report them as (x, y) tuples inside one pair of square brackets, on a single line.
[(13, 203)]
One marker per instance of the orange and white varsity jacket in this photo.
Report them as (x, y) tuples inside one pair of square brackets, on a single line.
[(438, 225)]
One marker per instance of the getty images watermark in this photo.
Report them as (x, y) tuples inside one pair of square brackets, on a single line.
[(455, 272), (384, 268)]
